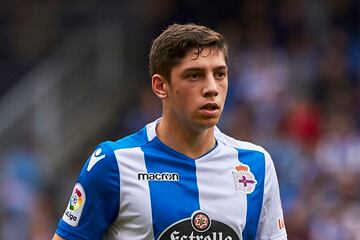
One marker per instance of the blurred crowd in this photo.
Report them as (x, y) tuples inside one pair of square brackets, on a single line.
[(294, 89)]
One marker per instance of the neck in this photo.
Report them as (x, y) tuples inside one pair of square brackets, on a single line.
[(192, 143)]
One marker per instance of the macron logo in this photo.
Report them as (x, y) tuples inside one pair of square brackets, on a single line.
[(165, 176), (95, 158)]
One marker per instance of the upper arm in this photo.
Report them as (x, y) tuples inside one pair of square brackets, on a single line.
[(94, 202)]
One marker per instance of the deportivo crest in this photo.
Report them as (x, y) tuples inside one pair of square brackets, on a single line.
[(75, 206), (244, 180), (199, 226)]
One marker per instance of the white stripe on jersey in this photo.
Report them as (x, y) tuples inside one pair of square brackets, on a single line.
[(134, 220), (217, 193)]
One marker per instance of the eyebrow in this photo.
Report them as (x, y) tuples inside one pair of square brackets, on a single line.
[(198, 69), (221, 68)]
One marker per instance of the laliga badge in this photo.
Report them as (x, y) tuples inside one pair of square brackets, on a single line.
[(75, 206), (244, 180)]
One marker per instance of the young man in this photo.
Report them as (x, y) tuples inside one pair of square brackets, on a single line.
[(179, 177)]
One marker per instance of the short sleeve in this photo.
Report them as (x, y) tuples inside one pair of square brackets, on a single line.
[(271, 224), (94, 202)]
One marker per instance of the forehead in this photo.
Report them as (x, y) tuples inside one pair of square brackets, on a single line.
[(207, 57)]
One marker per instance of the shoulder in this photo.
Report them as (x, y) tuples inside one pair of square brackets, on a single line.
[(103, 158), (238, 144), (249, 153), (137, 139)]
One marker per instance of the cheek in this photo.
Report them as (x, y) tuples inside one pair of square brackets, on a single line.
[(223, 88), (182, 94), (183, 98), (177, 98)]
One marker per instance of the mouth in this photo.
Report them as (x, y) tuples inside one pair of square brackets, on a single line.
[(210, 110), (210, 107)]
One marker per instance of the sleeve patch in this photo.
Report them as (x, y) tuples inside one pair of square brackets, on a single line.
[(75, 206)]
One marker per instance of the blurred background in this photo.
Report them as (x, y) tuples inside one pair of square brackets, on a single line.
[(74, 73)]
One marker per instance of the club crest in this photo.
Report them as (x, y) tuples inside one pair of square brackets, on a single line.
[(244, 180)]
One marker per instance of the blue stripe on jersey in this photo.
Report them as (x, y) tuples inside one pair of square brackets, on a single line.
[(182, 196), (256, 161)]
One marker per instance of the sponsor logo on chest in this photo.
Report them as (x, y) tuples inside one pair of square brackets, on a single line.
[(199, 227)]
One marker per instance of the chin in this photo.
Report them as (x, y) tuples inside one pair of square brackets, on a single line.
[(208, 123)]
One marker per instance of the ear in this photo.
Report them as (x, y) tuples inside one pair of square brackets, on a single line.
[(159, 85)]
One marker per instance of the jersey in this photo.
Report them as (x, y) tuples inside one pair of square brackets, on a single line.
[(138, 188)]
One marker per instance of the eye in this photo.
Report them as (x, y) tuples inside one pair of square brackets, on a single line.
[(194, 76), (220, 75)]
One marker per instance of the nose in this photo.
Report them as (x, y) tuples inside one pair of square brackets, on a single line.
[(210, 88)]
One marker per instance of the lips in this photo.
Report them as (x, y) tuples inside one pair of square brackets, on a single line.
[(210, 110), (210, 107)]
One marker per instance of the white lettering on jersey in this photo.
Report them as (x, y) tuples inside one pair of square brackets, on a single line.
[(75, 206), (95, 158)]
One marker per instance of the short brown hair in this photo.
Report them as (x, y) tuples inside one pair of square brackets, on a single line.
[(176, 41)]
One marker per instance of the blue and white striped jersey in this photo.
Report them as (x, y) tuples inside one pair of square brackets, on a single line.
[(138, 188)]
